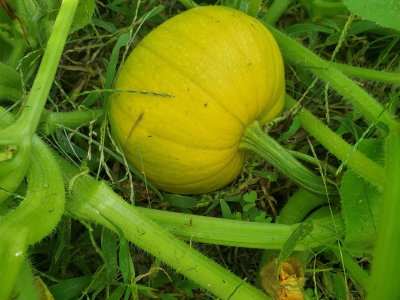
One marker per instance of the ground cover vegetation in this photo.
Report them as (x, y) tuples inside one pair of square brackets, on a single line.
[(78, 221)]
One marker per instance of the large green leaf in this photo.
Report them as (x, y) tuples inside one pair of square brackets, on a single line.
[(385, 13), (360, 203)]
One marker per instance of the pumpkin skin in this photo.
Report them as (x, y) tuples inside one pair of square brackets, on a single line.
[(221, 70)]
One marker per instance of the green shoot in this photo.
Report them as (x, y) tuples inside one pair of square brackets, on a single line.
[(15, 140)]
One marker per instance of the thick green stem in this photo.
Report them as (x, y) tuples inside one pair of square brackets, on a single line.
[(13, 170), (313, 161), (299, 205), (35, 218), (13, 246), (295, 53), (274, 12), (386, 259), (26, 124), (369, 74), (355, 160), (25, 286), (15, 139), (255, 140), (51, 121), (242, 233), (95, 201)]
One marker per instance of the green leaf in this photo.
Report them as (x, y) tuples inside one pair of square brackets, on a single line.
[(109, 250), (63, 238), (181, 201), (250, 197), (225, 209), (110, 27), (68, 146), (383, 12), (262, 217), (122, 41), (10, 82), (117, 293), (254, 213), (248, 206), (300, 233), (360, 203), (324, 8), (335, 284), (348, 125), (7, 38), (294, 127), (37, 19), (297, 30), (83, 15), (271, 176), (70, 288), (125, 260), (357, 27)]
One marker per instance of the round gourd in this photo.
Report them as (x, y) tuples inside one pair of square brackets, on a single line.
[(187, 93)]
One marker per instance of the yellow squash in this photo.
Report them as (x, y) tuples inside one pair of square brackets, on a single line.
[(203, 77)]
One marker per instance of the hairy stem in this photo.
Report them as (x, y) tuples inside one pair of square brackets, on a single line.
[(35, 218), (255, 140), (299, 205), (95, 201), (25, 286), (386, 259), (15, 139), (242, 233), (27, 122), (51, 121), (13, 246)]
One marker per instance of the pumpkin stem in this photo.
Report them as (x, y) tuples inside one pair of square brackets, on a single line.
[(95, 201), (256, 140)]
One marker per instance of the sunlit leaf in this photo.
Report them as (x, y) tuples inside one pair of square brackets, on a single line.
[(384, 12)]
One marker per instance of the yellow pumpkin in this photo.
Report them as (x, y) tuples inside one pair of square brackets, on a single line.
[(204, 76)]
